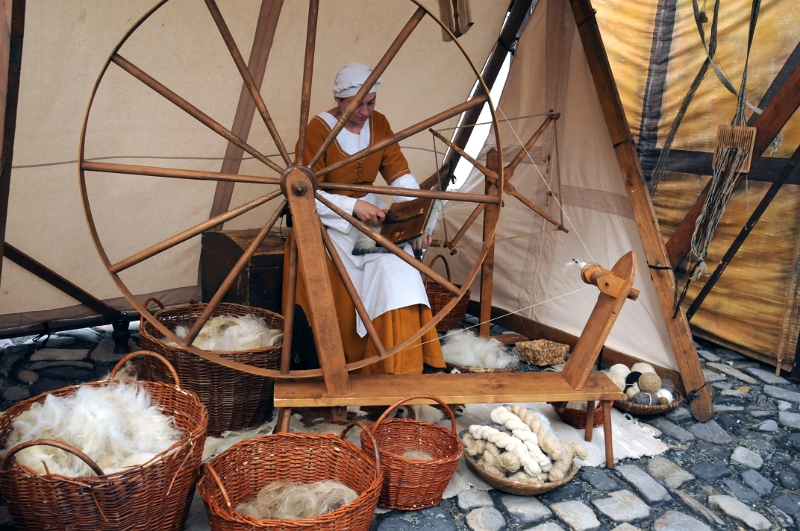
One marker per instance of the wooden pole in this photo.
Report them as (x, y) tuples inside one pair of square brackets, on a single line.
[(644, 214), (490, 218), (743, 234), (12, 29), (768, 125), (259, 54)]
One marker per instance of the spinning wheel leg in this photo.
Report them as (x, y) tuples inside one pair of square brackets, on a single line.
[(282, 424), (590, 406), (607, 433)]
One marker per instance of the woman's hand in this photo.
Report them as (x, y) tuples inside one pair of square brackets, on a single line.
[(368, 213), (421, 242)]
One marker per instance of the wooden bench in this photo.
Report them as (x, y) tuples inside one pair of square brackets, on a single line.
[(577, 382)]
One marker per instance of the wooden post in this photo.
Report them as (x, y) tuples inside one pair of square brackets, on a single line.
[(646, 220), (12, 29), (490, 215), (299, 191), (257, 64)]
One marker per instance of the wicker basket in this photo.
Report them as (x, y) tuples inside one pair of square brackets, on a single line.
[(542, 352), (154, 496), (239, 473), (464, 368), (440, 297), (235, 400), (410, 484), (520, 489), (639, 409), (577, 417)]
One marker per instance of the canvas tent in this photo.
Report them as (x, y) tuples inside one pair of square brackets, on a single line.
[(585, 159)]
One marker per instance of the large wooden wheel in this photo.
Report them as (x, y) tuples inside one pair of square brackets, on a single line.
[(297, 186)]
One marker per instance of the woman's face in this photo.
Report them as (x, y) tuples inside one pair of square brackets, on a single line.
[(362, 114)]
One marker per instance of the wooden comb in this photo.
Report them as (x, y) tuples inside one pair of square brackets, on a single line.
[(739, 137)]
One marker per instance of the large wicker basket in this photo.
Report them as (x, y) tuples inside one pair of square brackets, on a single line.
[(410, 484), (154, 496), (235, 400), (542, 352), (239, 473), (640, 409), (440, 297), (520, 489)]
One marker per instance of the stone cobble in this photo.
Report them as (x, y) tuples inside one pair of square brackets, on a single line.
[(738, 471)]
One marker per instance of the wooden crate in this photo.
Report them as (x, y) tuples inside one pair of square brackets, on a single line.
[(259, 283)]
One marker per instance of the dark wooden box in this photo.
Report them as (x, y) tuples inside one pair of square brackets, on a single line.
[(259, 284)]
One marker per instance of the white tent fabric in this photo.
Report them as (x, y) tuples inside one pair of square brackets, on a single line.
[(65, 45), (572, 166)]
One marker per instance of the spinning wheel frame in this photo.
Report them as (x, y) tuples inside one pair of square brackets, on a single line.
[(300, 177)]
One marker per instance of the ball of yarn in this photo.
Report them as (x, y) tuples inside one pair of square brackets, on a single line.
[(620, 369), (632, 391), (649, 381), (664, 397), (642, 367), (632, 378), (669, 385), (618, 380), (645, 398)]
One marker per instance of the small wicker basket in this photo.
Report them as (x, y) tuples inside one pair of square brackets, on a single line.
[(240, 472), (410, 484), (542, 352), (577, 417), (440, 297), (642, 410), (235, 400), (520, 489), (155, 495)]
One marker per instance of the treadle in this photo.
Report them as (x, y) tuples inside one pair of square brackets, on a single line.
[(464, 388)]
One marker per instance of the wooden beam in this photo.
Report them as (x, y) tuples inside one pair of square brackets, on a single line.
[(748, 227), (12, 29), (245, 111), (768, 125), (490, 217), (509, 33), (644, 214), (56, 280)]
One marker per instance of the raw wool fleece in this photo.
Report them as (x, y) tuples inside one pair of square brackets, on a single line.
[(291, 501), (232, 333), (469, 350), (116, 425)]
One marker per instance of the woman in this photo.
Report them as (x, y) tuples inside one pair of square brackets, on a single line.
[(391, 290)]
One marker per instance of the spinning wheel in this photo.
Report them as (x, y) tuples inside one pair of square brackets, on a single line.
[(297, 186)]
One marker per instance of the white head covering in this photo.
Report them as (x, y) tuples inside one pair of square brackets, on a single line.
[(350, 78)]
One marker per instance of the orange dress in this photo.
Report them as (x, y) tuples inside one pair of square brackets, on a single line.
[(394, 325)]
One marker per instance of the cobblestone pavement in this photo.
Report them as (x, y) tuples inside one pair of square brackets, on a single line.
[(741, 470)]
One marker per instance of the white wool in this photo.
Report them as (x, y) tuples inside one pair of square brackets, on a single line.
[(663, 393), (232, 333), (468, 350), (422, 412), (116, 425), (642, 367)]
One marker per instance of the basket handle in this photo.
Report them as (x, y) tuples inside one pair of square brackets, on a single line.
[(159, 357), (366, 430), (56, 444), (155, 300), (414, 397), (446, 266), (205, 467)]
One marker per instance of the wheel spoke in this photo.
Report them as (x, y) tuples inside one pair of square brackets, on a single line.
[(308, 71), (154, 171), (288, 310), (405, 133), (247, 77), (191, 110), (397, 251), (231, 278), (190, 233), (480, 167), (411, 192), (351, 290), (401, 38)]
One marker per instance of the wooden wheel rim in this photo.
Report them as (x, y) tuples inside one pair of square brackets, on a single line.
[(143, 312)]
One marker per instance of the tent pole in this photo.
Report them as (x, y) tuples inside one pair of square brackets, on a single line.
[(646, 220), (748, 227), (257, 64), (768, 125), (12, 29)]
